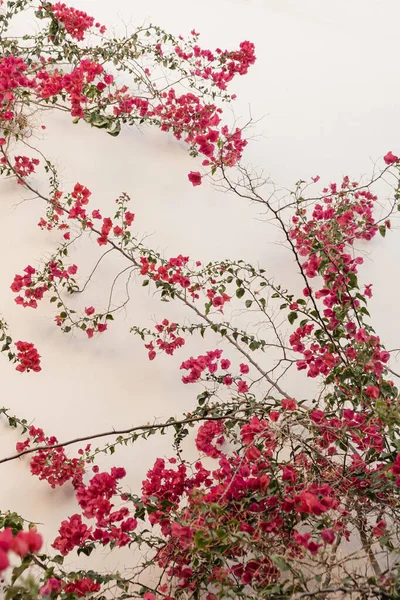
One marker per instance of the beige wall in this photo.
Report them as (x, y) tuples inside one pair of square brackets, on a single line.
[(327, 88)]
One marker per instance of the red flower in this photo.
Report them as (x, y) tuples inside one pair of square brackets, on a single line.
[(390, 158), (328, 536), (82, 587), (380, 529), (28, 357), (194, 178), (372, 391), (242, 387), (52, 585), (129, 217), (4, 562), (289, 404), (26, 541)]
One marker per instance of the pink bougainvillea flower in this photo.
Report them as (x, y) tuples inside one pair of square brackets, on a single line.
[(328, 536), (289, 404), (52, 585), (129, 218), (194, 178), (372, 391), (380, 529), (390, 158), (4, 562), (242, 387)]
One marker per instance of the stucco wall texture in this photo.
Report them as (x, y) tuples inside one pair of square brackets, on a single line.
[(324, 99)]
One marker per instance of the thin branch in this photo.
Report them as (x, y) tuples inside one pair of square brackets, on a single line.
[(119, 432)]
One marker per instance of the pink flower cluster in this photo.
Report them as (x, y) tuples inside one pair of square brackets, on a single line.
[(25, 166), (78, 587), (317, 359), (172, 272), (238, 487), (210, 362), (229, 63), (111, 526), (82, 587), (168, 343), (323, 239), (32, 294), (205, 439), (49, 84), (366, 429), (12, 78), (187, 117), (217, 300), (23, 543), (34, 290), (52, 465), (76, 22), (27, 357)]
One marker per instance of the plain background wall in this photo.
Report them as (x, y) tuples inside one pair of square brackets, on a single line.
[(325, 87)]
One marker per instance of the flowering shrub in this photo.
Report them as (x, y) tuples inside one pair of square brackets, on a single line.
[(288, 497)]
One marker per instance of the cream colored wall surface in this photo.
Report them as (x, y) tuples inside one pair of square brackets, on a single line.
[(324, 94)]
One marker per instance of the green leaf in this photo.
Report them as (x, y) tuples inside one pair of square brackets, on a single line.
[(292, 316), (240, 293), (116, 131), (280, 562), (353, 279), (199, 540), (201, 398), (17, 571), (85, 550)]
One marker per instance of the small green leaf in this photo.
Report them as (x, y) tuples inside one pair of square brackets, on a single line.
[(280, 562)]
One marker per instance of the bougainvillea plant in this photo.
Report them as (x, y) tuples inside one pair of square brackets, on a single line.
[(289, 497)]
